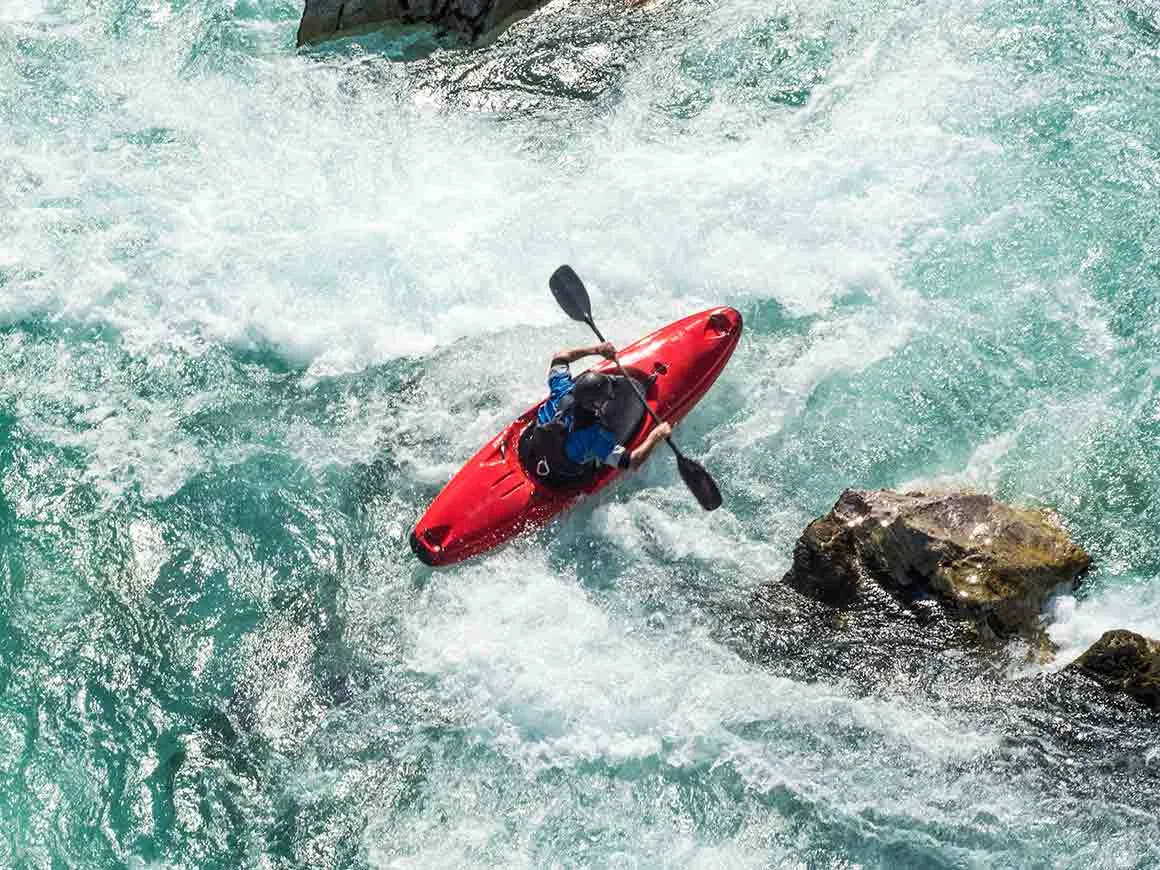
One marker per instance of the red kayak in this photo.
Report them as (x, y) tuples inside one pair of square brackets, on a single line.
[(494, 498)]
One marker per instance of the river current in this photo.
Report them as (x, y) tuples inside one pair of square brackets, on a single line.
[(257, 305)]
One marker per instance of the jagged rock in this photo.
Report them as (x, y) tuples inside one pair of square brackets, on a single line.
[(992, 564), (1123, 661), (469, 19)]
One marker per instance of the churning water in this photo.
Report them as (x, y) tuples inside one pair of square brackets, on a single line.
[(257, 305)]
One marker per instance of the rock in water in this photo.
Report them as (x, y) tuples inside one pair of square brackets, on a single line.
[(322, 19), (994, 564), (1123, 661)]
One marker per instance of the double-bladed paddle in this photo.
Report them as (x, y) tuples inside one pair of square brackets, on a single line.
[(572, 296)]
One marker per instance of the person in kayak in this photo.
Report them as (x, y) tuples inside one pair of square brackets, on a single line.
[(577, 407)]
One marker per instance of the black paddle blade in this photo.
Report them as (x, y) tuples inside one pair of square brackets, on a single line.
[(700, 482), (571, 294)]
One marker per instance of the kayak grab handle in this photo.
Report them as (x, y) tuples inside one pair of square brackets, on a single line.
[(428, 544), (722, 324)]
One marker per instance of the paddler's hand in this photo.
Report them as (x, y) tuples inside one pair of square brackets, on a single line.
[(606, 350), (659, 433)]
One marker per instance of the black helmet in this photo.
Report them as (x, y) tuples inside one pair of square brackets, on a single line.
[(592, 390)]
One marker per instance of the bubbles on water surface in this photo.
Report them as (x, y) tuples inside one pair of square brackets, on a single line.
[(257, 306)]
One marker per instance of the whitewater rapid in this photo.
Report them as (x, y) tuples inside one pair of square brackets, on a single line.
[(257, 305)]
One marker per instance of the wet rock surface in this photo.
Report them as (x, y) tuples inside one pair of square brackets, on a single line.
[(912, 592), (872, 603), (567, 64), (1123, 661), (878, 634), (560, 64), (962, 555), (466, 19)]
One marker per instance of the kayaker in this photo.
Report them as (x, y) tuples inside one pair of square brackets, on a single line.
[(588, 440)]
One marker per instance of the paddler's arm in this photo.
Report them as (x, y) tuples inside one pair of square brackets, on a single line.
[(564, 357), (655, 437)]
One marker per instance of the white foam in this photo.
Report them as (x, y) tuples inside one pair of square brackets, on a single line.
[(1075, 625), (982, 472), (22, 11), (551, 681), (193, 198), (307, 211), (565, 673)]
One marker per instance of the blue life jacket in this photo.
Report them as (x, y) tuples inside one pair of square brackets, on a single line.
[(566, 440)]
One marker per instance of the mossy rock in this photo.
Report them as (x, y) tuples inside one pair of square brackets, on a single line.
[(993, 564), (1123, 661)]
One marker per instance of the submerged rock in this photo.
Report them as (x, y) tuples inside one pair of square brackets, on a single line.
[(468, 19), (1123, 661), (986, 562)]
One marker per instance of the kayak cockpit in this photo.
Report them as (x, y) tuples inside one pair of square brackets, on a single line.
[(623, 415)]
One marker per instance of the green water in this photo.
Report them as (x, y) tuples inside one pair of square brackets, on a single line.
[(257, 306)]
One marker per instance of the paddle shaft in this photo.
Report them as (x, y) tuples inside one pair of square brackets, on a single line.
[(635, 388)]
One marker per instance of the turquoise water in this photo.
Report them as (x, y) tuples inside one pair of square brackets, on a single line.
[(256, 306)]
